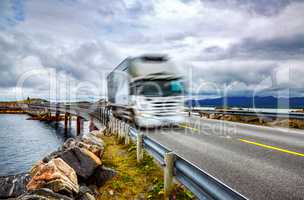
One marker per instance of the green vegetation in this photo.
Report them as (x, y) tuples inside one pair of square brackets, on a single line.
[(142, 180)]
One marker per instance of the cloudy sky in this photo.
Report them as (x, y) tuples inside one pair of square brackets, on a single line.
[(227, 47)]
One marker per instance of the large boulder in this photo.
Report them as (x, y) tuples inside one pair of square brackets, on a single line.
[(94, 138), (56, 175), (101, 176), (13, 186), (43, 194), (83, 161), (84, 143)]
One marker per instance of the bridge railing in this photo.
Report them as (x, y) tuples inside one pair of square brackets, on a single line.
[(199, 182)]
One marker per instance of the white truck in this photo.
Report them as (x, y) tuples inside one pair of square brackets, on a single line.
[(147, 91)]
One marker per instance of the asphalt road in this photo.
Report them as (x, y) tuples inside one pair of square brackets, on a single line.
[(259, 162)]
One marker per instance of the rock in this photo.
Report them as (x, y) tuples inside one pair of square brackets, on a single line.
[(98, 133), (56, 175), (96, 149), (94, 189), (101, 176), (43, 194), (215, 116), (85, 189), (85, 193), (84, 143), (231, 117), (71, 142), (87, 196), (296, 123), (92, 127), (93, 139), (51, 156), (13, 186), (251, 119), (83, 161)]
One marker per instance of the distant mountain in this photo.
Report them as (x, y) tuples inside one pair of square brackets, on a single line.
[(250, 102)]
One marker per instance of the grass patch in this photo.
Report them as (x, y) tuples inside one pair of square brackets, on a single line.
[(142, 180)]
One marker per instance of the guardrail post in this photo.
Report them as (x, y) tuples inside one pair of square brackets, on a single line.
[(127, 137), (116, 127), (101, 115), (119, 138), (168, 172), (112, 126), (121, 131), (139, 147)]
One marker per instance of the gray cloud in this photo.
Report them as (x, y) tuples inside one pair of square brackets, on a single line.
[(240, 45), (261, 7), (274, 48)]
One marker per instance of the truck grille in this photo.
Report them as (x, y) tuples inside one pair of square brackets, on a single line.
[(166, 106)]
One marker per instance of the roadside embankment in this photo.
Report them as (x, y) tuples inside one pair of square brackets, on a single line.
[(143, 180), (286, 123)]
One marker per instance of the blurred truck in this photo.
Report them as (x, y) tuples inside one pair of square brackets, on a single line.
[(147, 91)]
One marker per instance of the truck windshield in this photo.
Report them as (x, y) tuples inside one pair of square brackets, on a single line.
[(158, 88)]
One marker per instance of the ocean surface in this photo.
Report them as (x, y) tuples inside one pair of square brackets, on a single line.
[(24, 142)]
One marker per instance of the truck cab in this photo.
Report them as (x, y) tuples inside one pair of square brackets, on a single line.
[(147, 90)]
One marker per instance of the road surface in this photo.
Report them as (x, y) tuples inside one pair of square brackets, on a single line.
[(259, 162)]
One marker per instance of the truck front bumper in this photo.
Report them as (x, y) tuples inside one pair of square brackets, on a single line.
[(150, 121)]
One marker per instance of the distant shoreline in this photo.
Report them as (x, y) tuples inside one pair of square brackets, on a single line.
[(12, 112)]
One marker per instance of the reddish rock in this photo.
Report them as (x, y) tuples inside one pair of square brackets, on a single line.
[(56, 175)]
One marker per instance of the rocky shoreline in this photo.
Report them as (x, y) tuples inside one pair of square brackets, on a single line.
[(74, 171), (285, 123), (13, 111)]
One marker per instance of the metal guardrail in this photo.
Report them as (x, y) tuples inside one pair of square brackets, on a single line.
[(290, 115), (157, 150), (199, 182), (133, 133), (203, 185)]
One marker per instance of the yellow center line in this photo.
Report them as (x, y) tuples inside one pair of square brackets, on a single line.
[(185, 126), (272, 147)]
